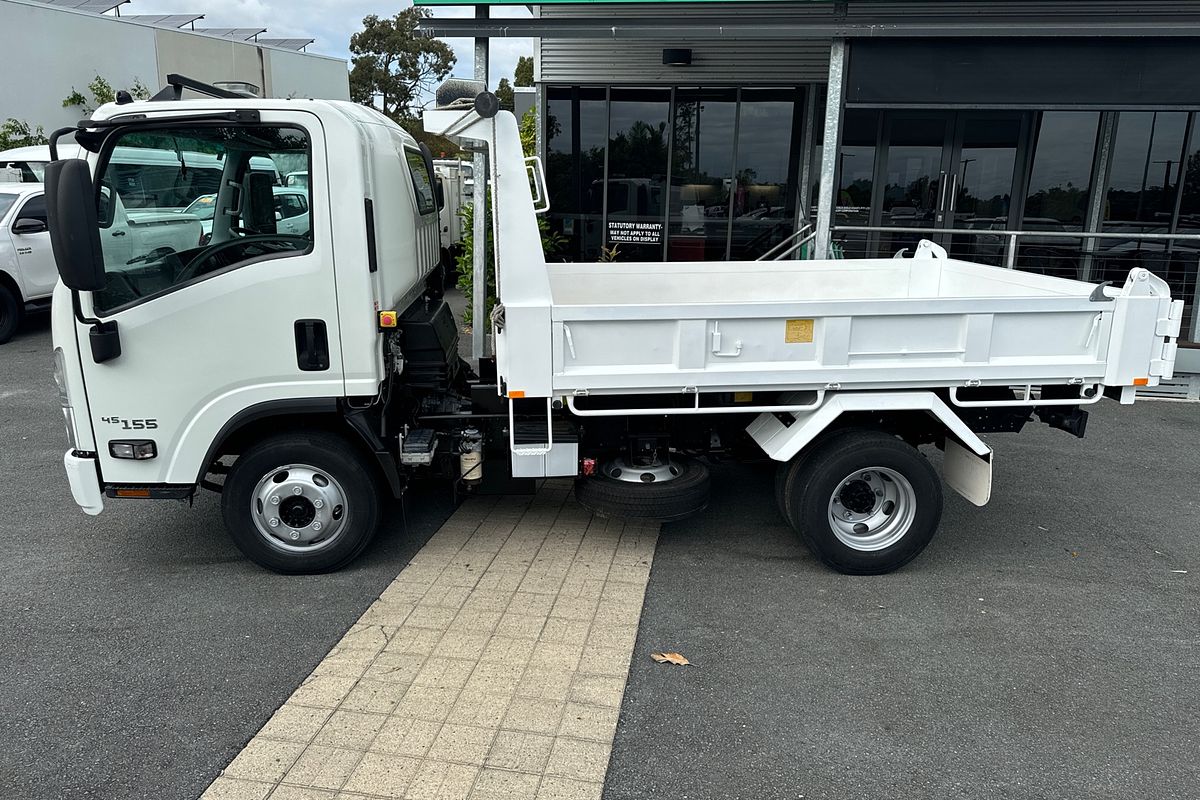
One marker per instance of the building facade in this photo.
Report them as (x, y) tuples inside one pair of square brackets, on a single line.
[(125, 52), (1057, 136)]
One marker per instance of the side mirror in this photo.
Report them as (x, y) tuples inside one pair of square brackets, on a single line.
[(74, 235), (438, 194), (27, 226), (440, 190), (278, 216)]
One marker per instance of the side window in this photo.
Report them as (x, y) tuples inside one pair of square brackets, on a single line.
[(180, 204), (426, 199), (34, 209)]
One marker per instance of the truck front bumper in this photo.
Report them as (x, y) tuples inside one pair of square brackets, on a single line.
[(84, 477)]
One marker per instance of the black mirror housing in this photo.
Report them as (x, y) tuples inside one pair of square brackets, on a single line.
[(438, 193), (74, 235), (441, 193), (28, 226)]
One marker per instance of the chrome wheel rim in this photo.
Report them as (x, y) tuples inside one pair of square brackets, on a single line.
[(872, 509), (621, 470), (299, 509)]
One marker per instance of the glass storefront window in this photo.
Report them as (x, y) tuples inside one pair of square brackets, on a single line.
[(1059, 189), (1144, 171), (637, 171), (701, 174), (856, 177), (576, 125), (763, 202)]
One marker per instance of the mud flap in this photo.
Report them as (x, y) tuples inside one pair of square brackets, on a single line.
[(967, 473)]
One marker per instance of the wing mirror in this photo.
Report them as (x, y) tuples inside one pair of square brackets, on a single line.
[(28, 226), (74, 234)]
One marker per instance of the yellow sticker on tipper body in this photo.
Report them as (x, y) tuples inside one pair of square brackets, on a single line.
[(799, 331)]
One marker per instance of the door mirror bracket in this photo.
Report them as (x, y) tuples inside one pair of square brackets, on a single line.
[(28, 226)]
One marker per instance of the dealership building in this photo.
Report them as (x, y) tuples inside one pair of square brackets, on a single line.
[(1057, 136)]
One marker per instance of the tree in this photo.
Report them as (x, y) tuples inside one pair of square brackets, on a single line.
[(523, 74), (18, 133), (504, 93), (102, 92), (395, 67)]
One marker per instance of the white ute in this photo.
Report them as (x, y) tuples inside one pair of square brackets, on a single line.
[(309, 377), (27, 273)]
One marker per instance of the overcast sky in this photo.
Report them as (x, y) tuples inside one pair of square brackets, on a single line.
[(331, 23)]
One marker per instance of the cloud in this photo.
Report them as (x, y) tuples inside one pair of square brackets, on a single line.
[(332, 22)]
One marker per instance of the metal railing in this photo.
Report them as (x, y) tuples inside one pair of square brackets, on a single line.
[(806, 234), (1011, 237)]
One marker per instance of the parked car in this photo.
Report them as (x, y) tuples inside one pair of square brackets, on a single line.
[(27, 271), (291, 211)]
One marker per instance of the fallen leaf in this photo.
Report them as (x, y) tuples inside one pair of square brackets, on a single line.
[(670, 658)]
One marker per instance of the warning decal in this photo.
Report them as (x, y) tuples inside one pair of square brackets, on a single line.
[(799, 331)]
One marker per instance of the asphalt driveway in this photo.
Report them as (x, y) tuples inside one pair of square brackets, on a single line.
[(139, 650), (1043, 647)]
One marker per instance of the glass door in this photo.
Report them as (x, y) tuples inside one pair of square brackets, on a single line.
[(983, 175), (911, 189), (943, 171)]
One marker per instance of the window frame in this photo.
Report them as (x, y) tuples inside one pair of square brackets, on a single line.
[(411, 153), (108, 146)]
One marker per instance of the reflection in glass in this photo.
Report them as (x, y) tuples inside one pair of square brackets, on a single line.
[(576, 122), (763, 203), (913, 179), (637, 169), (1144, 172), (856, 177), (1059, 188), (983, 182), (701, 174)]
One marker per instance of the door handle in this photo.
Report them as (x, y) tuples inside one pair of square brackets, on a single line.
[(954, 193), (118, 233), (941, 206)]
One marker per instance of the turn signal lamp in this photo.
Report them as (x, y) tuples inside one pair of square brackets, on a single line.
[(1141, 381), (387, 319)]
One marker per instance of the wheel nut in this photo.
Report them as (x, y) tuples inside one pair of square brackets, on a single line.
[(866, 476), (273, 522), (295, 535), (296, 490), (316, 526), (847, 515), (318, 503), (879, 492), (275, 500)]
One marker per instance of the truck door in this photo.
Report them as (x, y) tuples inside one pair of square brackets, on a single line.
[(34, 257), (210, 331)]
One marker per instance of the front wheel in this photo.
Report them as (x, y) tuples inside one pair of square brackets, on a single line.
[(865, 502), (301, 503)]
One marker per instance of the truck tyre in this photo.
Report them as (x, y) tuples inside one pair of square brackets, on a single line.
[(680, 497), (10, 313), (301, 503), (864, 502)]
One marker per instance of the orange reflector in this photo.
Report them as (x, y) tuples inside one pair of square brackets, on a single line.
[(743, 397), (387, 319), (1141, 381), (133, 492), (516, 395)]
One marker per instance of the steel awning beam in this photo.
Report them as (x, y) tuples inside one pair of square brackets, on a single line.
[(765, 28)]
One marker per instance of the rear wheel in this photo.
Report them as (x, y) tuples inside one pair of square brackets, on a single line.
[(10, 313), (658, 492), (864, 502), (301, 503)]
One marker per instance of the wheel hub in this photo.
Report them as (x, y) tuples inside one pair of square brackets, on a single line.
[(653, 472), (298, 508), (872, 509)]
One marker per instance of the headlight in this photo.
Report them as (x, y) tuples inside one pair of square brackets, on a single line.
[(60, 380)]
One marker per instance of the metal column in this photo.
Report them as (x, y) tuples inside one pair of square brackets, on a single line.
[(479, 321), (829, 155)]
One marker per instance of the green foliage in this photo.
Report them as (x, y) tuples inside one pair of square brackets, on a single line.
[(102, 92), (609, 255), (18, 133), (504, 93), (394, 66), (523, 74)]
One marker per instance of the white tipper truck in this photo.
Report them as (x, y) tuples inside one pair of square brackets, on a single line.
[(308, 378)]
